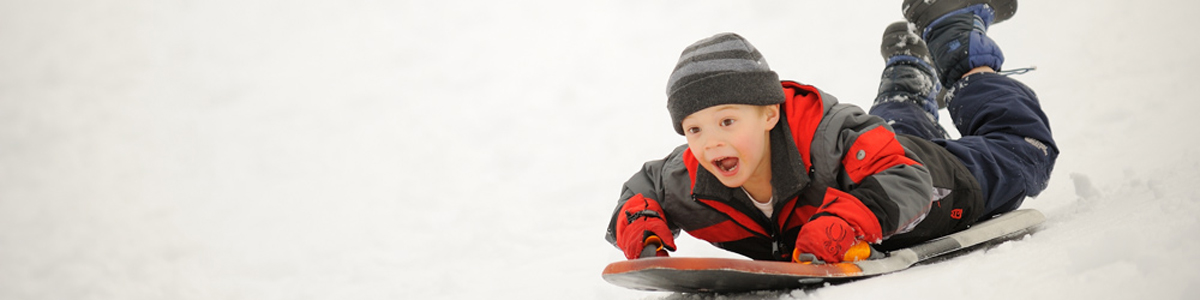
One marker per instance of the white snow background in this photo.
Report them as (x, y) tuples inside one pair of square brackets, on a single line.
[(362, 149)]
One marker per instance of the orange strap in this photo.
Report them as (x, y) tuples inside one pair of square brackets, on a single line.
[(860, 251), (654, 240)]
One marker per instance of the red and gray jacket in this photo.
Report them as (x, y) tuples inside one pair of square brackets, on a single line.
[(819, 149)]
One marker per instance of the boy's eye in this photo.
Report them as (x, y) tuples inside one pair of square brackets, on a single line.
[(693, 130), (726, 122)]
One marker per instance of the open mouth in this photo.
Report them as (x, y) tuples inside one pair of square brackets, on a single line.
[(726, 165)]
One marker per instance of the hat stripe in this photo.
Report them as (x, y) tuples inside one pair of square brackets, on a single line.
[(728, 44), (716, 39), (711, 67), (729, 54)]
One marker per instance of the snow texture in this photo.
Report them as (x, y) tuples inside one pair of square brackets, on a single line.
[(474, 150)]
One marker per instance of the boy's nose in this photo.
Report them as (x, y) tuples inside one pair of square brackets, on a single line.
[(713, 142)]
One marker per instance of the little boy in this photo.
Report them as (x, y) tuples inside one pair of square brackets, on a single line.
[(790, 174)]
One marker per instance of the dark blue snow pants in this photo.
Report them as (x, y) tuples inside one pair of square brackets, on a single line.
[(1006, 142)]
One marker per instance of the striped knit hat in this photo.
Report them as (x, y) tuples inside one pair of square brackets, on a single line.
[(722, 69)]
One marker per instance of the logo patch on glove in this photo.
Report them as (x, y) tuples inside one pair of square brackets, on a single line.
[(835, 236)]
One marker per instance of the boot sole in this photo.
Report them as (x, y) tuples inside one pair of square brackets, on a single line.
[(923, 12)]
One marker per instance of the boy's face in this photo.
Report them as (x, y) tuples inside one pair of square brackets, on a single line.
[(730, 141)]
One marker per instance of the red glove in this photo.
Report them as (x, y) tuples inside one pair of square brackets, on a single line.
[(827, 237), (840, 223), (641, 219)]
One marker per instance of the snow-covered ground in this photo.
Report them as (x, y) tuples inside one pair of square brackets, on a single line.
[(233, 149)]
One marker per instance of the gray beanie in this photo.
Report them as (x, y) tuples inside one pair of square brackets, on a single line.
[(722, 69)]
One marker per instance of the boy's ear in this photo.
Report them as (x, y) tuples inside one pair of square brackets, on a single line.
[(772, 114)]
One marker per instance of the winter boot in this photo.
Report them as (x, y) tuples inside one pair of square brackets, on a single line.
[(956, 33), (900, 38), (908, 85), (925, 12), (908, 75)]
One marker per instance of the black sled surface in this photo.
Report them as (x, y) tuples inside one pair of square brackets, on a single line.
[(728, 275)]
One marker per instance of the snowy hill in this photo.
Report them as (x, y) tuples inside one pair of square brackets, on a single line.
[(474, 150)]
